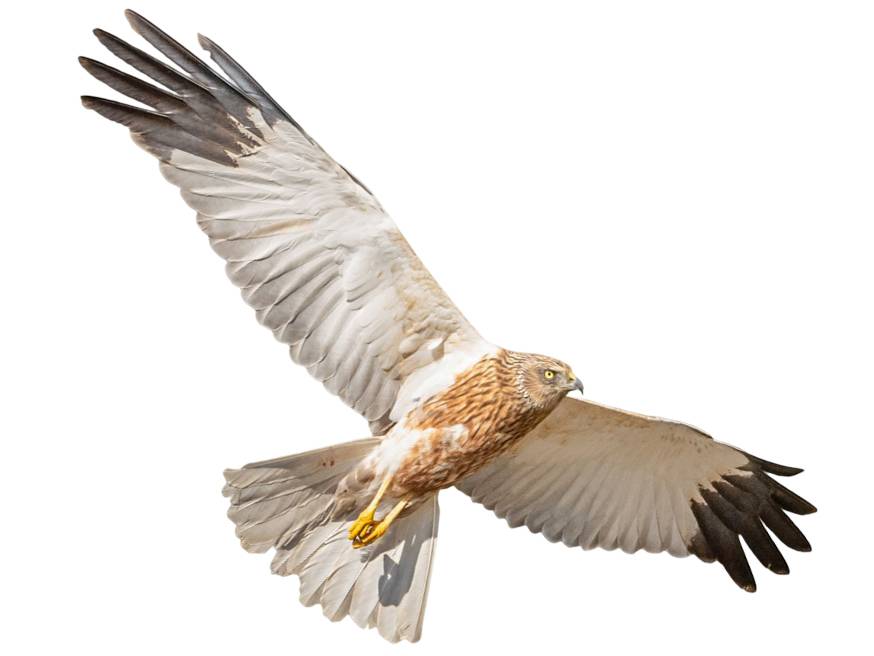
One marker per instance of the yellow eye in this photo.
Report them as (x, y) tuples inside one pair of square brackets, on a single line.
[(549, 374)]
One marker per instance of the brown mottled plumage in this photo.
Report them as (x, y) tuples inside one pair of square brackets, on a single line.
[(484, 412), (327, 270)]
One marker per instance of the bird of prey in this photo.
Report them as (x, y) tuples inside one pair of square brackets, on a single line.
[(326, 269)]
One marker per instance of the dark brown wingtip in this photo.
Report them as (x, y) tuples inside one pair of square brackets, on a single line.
[(773, 467), (106, 38), (205, 42), (788, 500), (738, 511), (143, 26), (133, 17), (91, 65), (723, 544), (810, 509), (782, 470), (769, 509)]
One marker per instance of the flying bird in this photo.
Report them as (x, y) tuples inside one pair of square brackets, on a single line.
[(327, 270)]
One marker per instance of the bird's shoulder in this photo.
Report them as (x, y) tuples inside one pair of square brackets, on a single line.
[(444, 376)]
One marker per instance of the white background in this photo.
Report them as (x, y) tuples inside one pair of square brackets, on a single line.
[(675, 198)]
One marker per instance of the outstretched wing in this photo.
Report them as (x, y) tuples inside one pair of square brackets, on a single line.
[(312, 250), (593, 476)]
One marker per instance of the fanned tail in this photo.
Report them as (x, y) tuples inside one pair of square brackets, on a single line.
[(289, 504)]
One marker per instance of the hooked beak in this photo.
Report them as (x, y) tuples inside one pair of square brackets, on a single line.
[(578, 385)]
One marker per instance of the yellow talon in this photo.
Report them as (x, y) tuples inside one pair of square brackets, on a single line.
[(363, 523), (371, 531), (366, 529)]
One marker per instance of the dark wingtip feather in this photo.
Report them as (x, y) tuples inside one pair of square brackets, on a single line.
[(724, 545), (92, 102), (809, 510), (108, 39), (159, 134), (96, 68), (788, 500), (103, 36), (270, 109), (769, 511), (231, 98), (780, 470), (738, 512), (742, 505), (148, 30), (133, 17), (773, 467), (205, 42)]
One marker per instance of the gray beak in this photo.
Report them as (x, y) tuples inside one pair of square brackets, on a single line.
[(578, 385)]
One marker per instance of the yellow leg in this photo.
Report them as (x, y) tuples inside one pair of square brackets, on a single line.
[(372, 532), (365, 519)]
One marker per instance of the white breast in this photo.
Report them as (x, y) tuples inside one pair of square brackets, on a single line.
[(394, 450)]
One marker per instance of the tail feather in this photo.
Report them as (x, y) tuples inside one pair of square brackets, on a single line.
[(391, 592), (281, 497), (288, 504)]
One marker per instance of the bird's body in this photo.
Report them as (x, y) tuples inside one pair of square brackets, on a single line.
[(485, 410), (329, 273)]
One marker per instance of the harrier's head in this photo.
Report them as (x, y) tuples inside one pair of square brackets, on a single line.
[(544, 380)]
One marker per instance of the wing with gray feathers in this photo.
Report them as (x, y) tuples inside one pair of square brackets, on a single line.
[(593, 476), (313, 251)]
